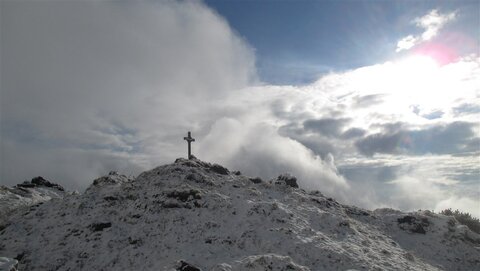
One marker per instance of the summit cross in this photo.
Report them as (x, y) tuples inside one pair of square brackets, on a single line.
[(189, 139)]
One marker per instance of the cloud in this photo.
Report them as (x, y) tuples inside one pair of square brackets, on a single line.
[(121, 78), (419, 189), (455, 137), (368, 100), (329, 127), (466, 109), (353, 133), (431, 24), (257, 149)]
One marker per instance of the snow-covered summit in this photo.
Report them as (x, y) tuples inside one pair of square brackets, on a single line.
[(193, 215)]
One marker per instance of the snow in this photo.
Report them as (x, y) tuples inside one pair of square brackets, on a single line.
[(192, 215), (7, 264), (27, 194)]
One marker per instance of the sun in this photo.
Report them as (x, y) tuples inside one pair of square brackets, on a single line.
[(418, 67), (415, 80)]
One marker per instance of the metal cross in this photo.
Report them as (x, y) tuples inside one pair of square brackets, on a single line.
[(189, 139)]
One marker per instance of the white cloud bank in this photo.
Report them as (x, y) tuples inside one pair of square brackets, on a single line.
[(110, 81), (431, 24)]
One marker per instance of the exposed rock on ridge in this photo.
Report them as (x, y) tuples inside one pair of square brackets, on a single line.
[(28, 193)]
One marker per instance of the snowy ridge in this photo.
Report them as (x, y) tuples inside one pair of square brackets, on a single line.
[(192, 215), (28, 193)]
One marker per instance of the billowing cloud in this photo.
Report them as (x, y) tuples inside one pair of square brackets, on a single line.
[(431, 24), (258, 150), (426, 188), (109, 80)]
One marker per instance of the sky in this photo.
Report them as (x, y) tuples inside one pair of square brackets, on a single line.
[(375, 103)]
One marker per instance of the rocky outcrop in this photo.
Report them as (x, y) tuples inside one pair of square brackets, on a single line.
[(26, 194), (287, 179), (39, 182), (413, 224)]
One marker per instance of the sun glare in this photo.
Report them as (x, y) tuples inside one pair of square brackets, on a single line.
[(418, 68), (417, 80)]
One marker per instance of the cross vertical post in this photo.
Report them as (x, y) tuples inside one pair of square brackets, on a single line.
[(189, 139)]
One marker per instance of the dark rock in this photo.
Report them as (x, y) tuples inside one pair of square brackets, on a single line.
[(356, 211), (418, 229), (256, 180), (26, 184), (413, 224), (110, 198), (184, 266), (172, 205), (99, 226), (288, 180), (20, 256), (406, 219), (111, 179), (83, 255), (325, 202), (179, 160), (237, 172), (198, 178), (40, 181), (219, 169), (184, 195), (132, 241), (188, 163)]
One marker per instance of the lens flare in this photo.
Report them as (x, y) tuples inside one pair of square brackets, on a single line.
[(442, 54)]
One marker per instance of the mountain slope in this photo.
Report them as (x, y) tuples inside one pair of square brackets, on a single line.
[(193, 215)]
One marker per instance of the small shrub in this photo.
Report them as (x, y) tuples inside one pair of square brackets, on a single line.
[(466, 219)]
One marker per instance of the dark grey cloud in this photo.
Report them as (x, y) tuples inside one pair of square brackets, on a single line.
[(317, 144), (353, 133), (433, 115), (329, 127), (455, 137), (380, 143), (368, 100), (436, 114), (372, 173), (466, 109)]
